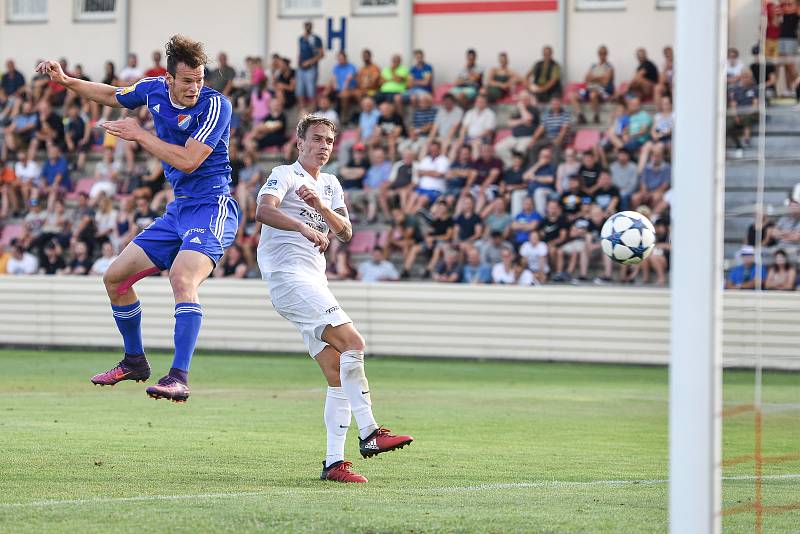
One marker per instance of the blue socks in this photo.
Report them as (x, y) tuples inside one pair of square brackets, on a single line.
[(129, 323), (188, 316)]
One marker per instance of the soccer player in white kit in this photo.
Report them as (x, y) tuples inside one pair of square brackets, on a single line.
[(298, 205)]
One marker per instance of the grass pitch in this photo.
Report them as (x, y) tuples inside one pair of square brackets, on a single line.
[(499, 447)]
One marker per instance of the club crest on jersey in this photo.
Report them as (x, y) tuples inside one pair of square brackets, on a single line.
[(183, 121), (328, 191)]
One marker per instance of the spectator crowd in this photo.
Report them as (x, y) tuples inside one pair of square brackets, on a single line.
[(496, 176)]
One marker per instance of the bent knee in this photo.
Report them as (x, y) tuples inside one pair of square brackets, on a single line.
[(355, 341)]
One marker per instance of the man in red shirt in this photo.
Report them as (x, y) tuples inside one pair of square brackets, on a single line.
[(156, 69)]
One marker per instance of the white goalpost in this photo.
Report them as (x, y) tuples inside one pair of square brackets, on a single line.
[(697, 240)]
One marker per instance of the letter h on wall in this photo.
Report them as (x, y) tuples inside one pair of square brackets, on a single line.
[(341, 34)]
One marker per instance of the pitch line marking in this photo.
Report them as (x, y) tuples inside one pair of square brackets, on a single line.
[(446, 489)]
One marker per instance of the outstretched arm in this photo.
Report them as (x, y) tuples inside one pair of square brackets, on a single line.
[(98, 92)]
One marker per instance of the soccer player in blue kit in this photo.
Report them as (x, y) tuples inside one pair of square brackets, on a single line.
[(192, 124)]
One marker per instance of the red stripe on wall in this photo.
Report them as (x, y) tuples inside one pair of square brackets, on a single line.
[(433, 8)]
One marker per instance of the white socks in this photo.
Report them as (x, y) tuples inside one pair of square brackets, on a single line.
[(356, 388), (337, 420)]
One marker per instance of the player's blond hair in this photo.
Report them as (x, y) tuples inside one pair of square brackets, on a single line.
[(181, 49), (310, 120)]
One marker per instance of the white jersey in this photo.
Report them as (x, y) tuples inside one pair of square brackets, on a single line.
[(288, 251)]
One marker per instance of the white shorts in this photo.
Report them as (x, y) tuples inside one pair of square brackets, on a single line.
[(308, 304)]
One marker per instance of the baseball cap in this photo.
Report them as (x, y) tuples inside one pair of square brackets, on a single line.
[(747, 250), (359, 146)]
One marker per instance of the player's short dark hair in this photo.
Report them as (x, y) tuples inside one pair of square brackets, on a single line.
[(310, 120), (181, 49)]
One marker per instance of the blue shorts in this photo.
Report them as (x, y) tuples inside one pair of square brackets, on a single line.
[(431, 194), (306, 83), (206, 225)]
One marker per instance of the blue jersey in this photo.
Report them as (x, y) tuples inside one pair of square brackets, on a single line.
[(208, 121)]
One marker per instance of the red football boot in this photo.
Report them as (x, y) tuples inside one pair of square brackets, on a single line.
[(169, 388), (340, 472), (123, 371), (382, 441)]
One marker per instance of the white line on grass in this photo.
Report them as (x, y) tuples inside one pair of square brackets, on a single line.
[(327, 489)]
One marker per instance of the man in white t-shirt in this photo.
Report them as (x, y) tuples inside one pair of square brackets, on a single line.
[(478, 125), (535, 252), (21, 261), (377, 269), (131, 73), (298, 205), (432, 182)]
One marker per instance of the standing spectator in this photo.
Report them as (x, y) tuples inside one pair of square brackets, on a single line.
[(553, 130), (540, 178), (625, 176), (743, 276), (378, 268), (77, 136), (344, 85), (554, 228), (525, 222), (782, 274), (221, 78), (544, 78), (664, 86), (449, 269), (646, 77), (568, 167), (534, 251), (394, 82), (503, 271), (637, 132), (310, 53), (81, 262), (500, 80), (21, 261), (448, 119), (589, 172), (157, 69), (742, 110), (107, 257), (654, 181), (484, 180), (432, 172), (55, 172), (475, 271), (523, 123), (606, 196), (468, 81), (131, 73), (770, 86), (285, 83), (478, 125), (52, 259), (420, 80), (787, 42), (369, 75), (599, 82)]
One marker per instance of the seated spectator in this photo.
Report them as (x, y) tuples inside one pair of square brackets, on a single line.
[(9, 186), (432, 171), (435, 239), (589, 172), (34, 220), (12, 82), (787, 229), (646, 77), (458, 174), (534, 252), (503, 271), (420, 81), (554, 230), (422, 119), (344, 85), (19, 133), (468, 81), (55, 178), (105, 219), (394, 82), (28, 175), (143, 216), (324, 109), (742, 111), (77, 136), (665, 76), (469, 225), (353, 173), (475, 271), (342, 267), (768, 235), (658, 260), (269, 134), (525, 222), (743, 276), (81, 262), (107, 257), (544, 78), (52, 259), (513, 186), (500, 80), (449, 269), (523, 123), (232, 265), (578, 238), (378, 268), (541, 177), (637, 132), (478, 125), (21, 261), (734, 66), (607, 195), (390, 128), (567, 168), (49, 129), (131, 72), (125, 229), (447, 122), (625, 176), (612, 139), (654, 181), (663, 125), (491, 247), (376, 179), (221, 78), (56, 226), (367, 121), (782, 274), (369, 75), (496, 218), (285, 83), (484, 180), (599, 82), (402, 181), (260, 99), (403, 235), (553, 130), (573, 199), (157, 69), (106, 175)]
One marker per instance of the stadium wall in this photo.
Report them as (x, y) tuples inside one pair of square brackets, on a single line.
[(616, 325), (444, 29)]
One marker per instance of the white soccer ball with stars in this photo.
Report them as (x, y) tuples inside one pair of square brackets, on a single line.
[(628, 237)]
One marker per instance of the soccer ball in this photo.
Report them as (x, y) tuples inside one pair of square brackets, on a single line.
[(628, 237)]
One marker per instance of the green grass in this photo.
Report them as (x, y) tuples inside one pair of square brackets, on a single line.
[(244, 454)]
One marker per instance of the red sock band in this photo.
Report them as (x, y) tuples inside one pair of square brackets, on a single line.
[(128, 283)]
